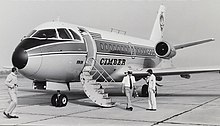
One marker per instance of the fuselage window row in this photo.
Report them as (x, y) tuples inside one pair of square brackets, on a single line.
[(124, 49)]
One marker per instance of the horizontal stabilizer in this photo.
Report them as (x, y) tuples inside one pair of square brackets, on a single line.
[(181, 46)]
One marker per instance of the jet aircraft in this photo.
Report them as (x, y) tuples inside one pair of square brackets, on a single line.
[(64, 53)]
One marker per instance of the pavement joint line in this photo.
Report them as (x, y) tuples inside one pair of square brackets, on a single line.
[(35, 114), (58, 116), (138, 100), (190, 124), (179, 104), (140, 107), (133, 101), (102, 118), (21, 106), (178, 114), (183, 104), (68, 115), (29, 113)]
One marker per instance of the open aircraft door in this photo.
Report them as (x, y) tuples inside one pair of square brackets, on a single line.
[(90, 47)]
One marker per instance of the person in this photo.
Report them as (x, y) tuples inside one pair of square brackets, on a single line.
[(127, 88), (151, 80), (11, 83)]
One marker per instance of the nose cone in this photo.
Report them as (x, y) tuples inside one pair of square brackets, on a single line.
[(19, 58)]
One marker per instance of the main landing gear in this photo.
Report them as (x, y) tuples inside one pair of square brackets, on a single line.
[(59, 100), (144, 91)]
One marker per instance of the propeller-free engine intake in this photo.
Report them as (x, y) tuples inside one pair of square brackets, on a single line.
[(165, 50)]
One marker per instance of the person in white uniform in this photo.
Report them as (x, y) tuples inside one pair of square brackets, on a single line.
[(151, 80), (11, 83), (127, 87)]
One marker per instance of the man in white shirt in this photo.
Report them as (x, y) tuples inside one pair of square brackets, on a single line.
[(11, 83), (127, 87), (151, 80)]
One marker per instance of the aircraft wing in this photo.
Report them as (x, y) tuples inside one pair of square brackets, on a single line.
[(175, 71)]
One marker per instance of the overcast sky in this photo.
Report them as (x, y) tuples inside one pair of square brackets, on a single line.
[(186, 20)]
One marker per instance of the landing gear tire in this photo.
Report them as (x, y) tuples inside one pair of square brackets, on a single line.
[(63, 100), (54, 100), (59, 100), (144, 91)]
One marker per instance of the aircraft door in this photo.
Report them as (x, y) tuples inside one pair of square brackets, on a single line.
[(90, 46)]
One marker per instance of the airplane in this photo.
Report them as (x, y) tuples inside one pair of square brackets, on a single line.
[(61, 53)]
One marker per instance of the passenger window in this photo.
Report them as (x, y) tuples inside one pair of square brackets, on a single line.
[(47, 33), (75, 36), (63, 33)]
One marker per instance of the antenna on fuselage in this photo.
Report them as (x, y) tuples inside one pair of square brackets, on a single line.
[(118, 31)]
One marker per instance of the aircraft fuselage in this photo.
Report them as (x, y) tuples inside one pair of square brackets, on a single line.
[(55, 57)]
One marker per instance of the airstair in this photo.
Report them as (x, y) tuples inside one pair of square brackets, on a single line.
[(90, 74)]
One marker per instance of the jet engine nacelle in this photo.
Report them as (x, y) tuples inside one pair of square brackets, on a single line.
[(165, 50)]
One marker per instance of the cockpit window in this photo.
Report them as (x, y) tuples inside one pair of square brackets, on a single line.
[(31, 33), (47, 33), (64, 34), (75, 36)]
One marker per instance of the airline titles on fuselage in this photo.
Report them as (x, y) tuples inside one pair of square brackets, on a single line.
[(108, 61)]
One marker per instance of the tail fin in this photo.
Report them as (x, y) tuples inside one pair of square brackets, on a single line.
[(157, 32)]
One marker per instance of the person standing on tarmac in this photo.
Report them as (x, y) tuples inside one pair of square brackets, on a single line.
[(151, 80), (11, 83), (127, 87)]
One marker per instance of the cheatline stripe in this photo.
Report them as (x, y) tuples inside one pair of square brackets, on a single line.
[(57, 53), (83, 52)]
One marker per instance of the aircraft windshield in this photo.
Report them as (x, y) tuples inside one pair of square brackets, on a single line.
[(64, 34), (75, 35), (47, 33), (60, 33), (31, 33)]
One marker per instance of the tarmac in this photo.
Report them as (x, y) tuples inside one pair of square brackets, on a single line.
[(180, 102)]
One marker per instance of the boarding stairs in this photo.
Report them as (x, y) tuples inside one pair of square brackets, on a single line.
[(90, 74)]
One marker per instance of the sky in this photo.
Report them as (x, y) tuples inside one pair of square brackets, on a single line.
[(186, 20)]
